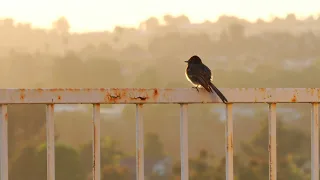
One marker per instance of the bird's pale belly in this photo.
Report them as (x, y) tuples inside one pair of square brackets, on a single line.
[(195, 83)]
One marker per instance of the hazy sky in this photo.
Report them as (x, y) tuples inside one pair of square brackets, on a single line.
[(105, 14)]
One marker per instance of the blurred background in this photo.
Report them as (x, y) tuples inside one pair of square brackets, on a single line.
[(93, 44)]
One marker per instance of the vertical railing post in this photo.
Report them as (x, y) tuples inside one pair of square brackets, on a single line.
[(229, 143), (4, 142), (50, 142), (96, 142), (184, 141), (272, 142), (315, 141), (139, 143)]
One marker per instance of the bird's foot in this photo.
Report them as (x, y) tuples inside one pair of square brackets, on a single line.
[(196, 88)]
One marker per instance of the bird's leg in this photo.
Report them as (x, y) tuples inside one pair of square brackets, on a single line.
[(196, 88)]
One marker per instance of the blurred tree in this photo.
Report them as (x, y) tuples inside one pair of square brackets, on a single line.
[(153, 147), (150, 24), (102, 72), (291, 18), (149, 78), (61, 25), (236, 32), (200, 168), (110, 157), (111, 172), (7, 23), (176, 21), (68, 166), (292, 149), (67, 70), (32, 164), (25, 165), (25, 129)]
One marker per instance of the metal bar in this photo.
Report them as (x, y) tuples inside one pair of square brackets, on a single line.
[(96, 142), (229, 143), (139, 143), (272, 142), (184, 141), (315, 142), (4, 142), (50, 143), (157, 96)]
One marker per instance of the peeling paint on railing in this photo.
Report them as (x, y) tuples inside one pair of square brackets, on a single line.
[(159, 96), (51, 97)]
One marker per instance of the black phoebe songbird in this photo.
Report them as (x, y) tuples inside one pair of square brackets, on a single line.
[(199, 74)]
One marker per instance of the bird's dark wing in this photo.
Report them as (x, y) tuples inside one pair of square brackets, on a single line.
[(213, 87), (202, 74), (207, 72)]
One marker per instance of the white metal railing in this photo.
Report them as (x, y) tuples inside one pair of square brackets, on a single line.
[(160, 96)]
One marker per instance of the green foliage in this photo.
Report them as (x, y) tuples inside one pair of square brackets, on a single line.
[(153, 148), (110, 157), (292, 146), (25, 166), (25, 129), (68, 166), (200, 168), (32, 164), (116, 173)]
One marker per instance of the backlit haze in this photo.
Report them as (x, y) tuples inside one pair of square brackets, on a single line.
[(97, 15)]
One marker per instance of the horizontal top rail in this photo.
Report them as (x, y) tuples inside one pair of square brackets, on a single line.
[(156, 96)]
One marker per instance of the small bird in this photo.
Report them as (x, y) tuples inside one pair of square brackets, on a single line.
[(199, 74)]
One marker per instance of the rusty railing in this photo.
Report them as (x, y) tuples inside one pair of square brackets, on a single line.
[(160, 96)]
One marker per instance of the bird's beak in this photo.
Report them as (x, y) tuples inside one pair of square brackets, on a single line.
[(186, 61)]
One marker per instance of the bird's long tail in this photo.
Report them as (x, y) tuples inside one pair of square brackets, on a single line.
[(213, 87)]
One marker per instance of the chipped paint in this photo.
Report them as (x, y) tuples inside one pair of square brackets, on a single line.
[(4, 142), (139, 143), (272, 142), (96, 166), (156, 96), (229, 143)]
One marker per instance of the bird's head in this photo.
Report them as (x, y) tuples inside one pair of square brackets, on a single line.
[(194, 60)]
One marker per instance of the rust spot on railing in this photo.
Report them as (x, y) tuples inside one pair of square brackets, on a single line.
[(111, 97), (59, 97), (312, 91), (318, 93), (230, 142), (140, 97), (138, 159), (6, 117), (56, 89), (51, 107), (40, 90), (155, 93), (65, 89), (294, 98), (22, 96)]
